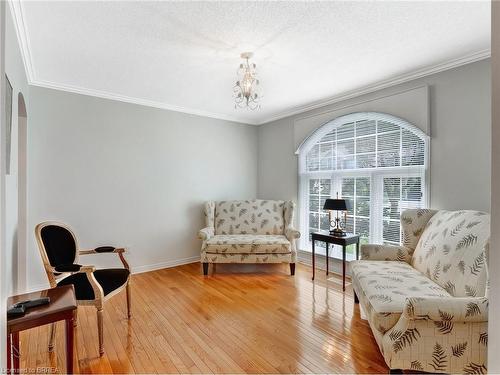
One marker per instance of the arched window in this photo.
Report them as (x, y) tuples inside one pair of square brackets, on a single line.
[(376, 161)]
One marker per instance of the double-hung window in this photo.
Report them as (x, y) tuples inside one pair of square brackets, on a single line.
[(376, 161)]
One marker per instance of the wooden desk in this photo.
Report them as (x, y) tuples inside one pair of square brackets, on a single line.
[(327, 238), (62, 306)]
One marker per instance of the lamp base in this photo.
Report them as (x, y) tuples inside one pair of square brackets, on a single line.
[(337, 232)]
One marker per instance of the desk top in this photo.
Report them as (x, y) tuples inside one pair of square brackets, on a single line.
[(348, 239), (62, 303)]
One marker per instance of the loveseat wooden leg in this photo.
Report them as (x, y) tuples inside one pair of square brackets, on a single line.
[(356, 299), (292, 269), (205, 269), (395, 371)]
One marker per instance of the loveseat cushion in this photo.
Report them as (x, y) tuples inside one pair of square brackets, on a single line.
[(384, 286), (249, 217), (248, 244)]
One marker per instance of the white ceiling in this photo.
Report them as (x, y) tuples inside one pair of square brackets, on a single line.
[(184, 55)]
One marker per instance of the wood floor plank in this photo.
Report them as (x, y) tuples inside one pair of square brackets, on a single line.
[(242, 319)]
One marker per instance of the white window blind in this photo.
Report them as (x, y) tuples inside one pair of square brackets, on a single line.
[(375, 161), (356, 190), (400, 193)]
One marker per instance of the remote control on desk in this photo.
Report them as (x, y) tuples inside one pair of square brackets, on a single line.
[(36, 302), (19, 309)]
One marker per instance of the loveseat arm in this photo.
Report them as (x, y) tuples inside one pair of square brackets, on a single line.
[(447, 309), (291, 233), (385, 252), (206, 233)]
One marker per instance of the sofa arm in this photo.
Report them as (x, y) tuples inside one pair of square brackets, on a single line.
[(291, 233), (385, 252), (447, 309), (206, 233)]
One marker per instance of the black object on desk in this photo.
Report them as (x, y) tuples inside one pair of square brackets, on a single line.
[(19, 308), (327, 238)]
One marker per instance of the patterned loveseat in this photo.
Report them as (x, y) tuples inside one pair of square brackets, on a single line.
[(257, 231), (427, 300)]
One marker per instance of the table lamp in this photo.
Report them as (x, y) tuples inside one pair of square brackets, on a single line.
[(335, 205)]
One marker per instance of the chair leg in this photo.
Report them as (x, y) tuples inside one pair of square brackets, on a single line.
[(100, 331), (129, 300), (52, 336), (356, 299), (292, 269), (395, 371), (75, 318), (205, 269)]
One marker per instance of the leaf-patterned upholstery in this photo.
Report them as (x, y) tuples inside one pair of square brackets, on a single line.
[(386, 252), (248, 243), (250, 231), (413, 223), (249, 217), (426, 301), (451, 251), (385, 287)]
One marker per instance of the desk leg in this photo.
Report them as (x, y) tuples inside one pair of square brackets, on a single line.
[(16, 353), (9, 353), (70, 329), (343, 268), (313, 258), (327, 250)]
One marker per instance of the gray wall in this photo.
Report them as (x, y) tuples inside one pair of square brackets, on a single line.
[(129, 175), (460, 119), (14, 69), (11, 65), (494, 260)]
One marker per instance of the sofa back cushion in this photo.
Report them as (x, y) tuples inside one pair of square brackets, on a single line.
[(413, 223), (451, 251), (249, 217)]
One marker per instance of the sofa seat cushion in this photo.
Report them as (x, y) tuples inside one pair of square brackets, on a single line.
[(384, 286), (248, 244)]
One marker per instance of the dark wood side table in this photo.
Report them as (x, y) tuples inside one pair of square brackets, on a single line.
[(327, 238), (62, 306)]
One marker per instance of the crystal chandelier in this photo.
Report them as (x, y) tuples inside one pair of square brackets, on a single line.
[(246, 88)]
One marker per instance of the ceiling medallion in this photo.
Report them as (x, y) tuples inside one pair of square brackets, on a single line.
[(246, 88)]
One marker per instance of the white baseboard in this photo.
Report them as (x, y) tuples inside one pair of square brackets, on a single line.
[(135, 270), (168, 264)]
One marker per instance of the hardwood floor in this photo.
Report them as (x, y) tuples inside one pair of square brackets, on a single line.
[(243, 319)]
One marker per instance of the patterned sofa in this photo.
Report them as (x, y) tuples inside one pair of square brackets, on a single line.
[(427, 300), (257, 231)]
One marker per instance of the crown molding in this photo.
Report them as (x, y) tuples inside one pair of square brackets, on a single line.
[(139, 101), (403, 78), (16, 7)]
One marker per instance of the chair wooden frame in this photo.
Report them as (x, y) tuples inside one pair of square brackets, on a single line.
[(100, 298)]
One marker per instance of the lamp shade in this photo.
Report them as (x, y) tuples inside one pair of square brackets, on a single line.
[(335, 205)]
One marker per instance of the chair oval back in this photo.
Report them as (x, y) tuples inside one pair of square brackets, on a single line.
[(58, 246)]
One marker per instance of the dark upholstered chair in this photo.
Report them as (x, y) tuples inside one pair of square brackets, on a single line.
[(59, 250)]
